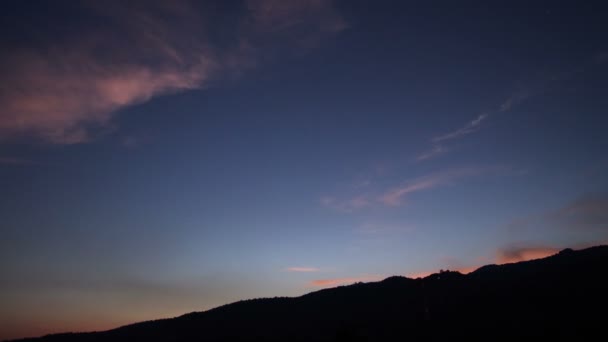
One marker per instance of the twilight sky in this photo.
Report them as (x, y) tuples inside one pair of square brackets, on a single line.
[(158, 158)]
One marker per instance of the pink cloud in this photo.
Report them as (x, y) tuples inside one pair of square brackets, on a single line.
[(302, 269), (61, 102), (69, 91), (65, 91)]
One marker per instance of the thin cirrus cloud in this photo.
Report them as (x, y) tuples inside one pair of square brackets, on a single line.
[(469, 128), (439, 142), (397, 195), (69, 90), (302, 269)]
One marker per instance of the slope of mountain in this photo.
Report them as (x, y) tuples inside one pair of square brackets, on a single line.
[(561, 296)]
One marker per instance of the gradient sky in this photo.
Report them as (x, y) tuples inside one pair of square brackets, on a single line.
[(159, 158)]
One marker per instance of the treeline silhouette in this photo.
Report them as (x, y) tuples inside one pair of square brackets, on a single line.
[(562, 296)]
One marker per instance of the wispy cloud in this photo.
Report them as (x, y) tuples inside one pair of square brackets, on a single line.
[(395, 196), (302, 269), (436, 150), (469, 128), (344, 281), (438, 142), (63, 91), (68, 91)]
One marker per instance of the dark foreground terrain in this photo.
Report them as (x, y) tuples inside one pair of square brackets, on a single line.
[(562, 296)]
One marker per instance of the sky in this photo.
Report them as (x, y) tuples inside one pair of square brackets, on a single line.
[(158, 158)]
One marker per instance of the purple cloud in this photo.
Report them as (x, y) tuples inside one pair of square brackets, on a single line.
[(68, 91)]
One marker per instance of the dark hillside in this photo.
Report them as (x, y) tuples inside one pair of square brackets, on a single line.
[(560, 296)]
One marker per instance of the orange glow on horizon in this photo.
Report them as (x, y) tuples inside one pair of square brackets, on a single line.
[(525, 254)]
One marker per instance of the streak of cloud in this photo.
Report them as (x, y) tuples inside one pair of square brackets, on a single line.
[(438, 142), (469, 128), (395, 196)]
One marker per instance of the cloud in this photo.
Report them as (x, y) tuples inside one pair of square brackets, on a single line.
[(435, 151), (64, 91), (69, 90), (517, 254), (469, 128), (62, 103), (343, 281), (396, 195), (302, 269), (438, 142)]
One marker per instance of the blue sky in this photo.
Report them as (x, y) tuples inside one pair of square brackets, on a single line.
[(181, 156)]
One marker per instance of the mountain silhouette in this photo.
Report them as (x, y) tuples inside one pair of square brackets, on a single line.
[(561, 296)]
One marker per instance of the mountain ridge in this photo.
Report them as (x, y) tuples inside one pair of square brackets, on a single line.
[(542, 297)]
